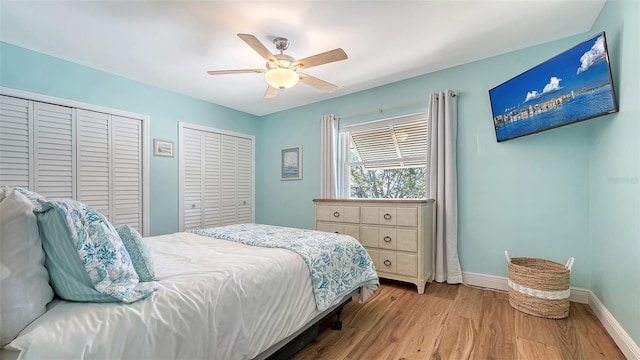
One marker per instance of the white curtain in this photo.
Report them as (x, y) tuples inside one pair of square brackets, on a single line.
[(328, 157), (443, 184)]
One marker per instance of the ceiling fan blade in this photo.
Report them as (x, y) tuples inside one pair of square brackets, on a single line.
[(245, 71), (271, 92), (257, 46), (317, 83), (319, 59)]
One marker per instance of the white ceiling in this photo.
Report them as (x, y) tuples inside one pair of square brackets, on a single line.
[(171, 44)]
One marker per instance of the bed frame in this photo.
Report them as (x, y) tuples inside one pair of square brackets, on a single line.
[(290, 345)]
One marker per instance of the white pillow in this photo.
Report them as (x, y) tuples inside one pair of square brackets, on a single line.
[(24, 281)]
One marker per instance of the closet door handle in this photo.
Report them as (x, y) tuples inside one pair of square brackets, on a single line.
[(336, 214), (387, 239), (387, 216), (387, 262)]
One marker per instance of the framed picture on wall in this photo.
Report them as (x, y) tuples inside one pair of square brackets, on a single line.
[(162, 148), (291, 163)]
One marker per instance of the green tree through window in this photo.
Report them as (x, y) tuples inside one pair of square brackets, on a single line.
[(403, 183)]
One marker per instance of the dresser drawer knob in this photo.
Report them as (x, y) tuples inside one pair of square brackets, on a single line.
[(387, 239), (336, 214), (387, 216), (387, 262)]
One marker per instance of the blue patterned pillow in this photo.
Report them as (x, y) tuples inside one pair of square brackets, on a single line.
[(139, 253), (86, 258)]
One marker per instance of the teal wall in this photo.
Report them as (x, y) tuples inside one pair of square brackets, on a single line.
[(26, 70), (571, 191), (614, 176)]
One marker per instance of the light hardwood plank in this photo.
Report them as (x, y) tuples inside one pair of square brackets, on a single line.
[(532, 350), (469, 303), (496, 339), (423, 329), (457, 338)]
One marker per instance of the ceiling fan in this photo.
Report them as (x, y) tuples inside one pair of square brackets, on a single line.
[(282, 71)]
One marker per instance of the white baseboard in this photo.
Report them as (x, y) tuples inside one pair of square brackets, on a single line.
[(487, 281), (628, 347), (585, 296)]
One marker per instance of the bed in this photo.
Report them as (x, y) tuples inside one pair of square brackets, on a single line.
[(212, 299)]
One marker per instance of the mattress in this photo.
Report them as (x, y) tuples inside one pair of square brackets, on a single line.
[(216, 299)]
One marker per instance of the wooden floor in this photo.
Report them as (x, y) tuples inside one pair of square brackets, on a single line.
[(457, 322)]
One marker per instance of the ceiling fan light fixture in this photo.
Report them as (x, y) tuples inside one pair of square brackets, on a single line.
[(282, 78)]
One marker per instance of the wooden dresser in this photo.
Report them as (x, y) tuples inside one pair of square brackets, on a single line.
[(397, 233)]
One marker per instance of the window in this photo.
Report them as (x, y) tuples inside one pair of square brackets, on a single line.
[(385, 158)]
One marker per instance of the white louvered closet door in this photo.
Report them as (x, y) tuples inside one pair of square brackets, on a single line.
[(94, 175), (211, 180), (216, 179), (126, 135), (244, 183), (16, 125), (202, 200), (110, 166), (229, 177), (53, 163), (192, 151), (236, 179)]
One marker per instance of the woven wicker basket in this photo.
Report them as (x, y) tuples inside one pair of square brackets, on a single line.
[(539, 287)]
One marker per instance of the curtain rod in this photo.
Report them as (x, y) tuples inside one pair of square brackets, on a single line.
[(381, 110)]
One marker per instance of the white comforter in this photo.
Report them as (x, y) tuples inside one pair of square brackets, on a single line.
[(216, 300)]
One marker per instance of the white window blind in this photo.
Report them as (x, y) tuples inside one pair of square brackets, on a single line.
[(392, 146), (385, 158)]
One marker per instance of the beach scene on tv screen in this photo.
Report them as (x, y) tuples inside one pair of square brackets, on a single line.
[(573, 86)]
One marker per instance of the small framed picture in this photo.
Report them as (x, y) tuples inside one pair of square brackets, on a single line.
[(291, 163), (162, 148)]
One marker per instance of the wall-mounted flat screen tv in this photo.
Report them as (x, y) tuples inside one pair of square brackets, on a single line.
[(573, 86)]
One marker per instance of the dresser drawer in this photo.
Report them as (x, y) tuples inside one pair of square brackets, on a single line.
[(348, 214), (407, 264), (387, 261), (389, 238), (400, 216), (346, 229), (394, 263)]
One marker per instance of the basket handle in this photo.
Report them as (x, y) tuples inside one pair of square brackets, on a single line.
[(569, 264), (506, 254)]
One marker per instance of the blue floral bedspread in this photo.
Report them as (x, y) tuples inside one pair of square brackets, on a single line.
[(337, 263)]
